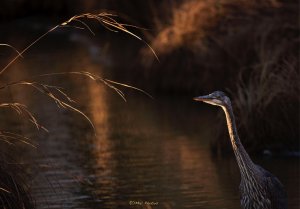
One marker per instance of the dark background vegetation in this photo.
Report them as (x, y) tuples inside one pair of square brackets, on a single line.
[(247, 48), (250, 49)]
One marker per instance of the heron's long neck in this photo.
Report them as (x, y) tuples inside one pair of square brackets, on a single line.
[(244, 161)]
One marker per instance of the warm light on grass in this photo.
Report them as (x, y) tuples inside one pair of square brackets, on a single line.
[(104, 19), (56, 94)]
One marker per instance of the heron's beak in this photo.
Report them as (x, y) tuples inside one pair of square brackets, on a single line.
[(202, 98)]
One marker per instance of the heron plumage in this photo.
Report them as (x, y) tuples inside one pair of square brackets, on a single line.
[(259, 189)]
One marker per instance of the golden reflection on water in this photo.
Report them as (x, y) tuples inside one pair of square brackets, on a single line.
[(102, 150), (158, 158)]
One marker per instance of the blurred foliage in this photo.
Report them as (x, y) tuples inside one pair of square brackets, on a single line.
[(248, 48)]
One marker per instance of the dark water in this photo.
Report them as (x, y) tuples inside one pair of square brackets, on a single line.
[(144, 150)]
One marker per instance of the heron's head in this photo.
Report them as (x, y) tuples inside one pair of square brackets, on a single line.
[(218, 98)]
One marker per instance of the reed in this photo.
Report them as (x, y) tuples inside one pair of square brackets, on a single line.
[(14, 192)]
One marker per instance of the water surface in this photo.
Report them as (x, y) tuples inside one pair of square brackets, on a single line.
[(154, 150)]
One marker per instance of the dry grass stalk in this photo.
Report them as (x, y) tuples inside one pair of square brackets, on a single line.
[(10, 46), (57, 95), (21, 109), (110, 83), (53, 92), (106, 19), (60, 97), (13, 191), (8, 138)]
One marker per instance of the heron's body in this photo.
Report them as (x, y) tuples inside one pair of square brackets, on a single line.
[(259, 189), (263, 192)]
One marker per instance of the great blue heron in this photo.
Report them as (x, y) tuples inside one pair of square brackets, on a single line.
[(259, 189)]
